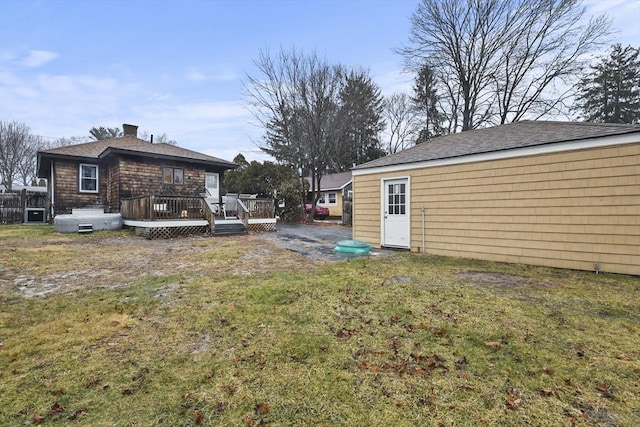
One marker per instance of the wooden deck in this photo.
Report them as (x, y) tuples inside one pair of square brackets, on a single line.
[(167, 216)]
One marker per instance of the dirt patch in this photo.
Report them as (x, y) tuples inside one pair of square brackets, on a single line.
[(112, 262), (499, 279)]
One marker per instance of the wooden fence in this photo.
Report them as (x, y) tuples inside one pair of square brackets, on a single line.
[(12, 205)]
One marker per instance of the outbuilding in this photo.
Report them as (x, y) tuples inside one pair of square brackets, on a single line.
[(557, 194)]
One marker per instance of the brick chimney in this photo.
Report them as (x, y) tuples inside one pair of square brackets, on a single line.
[(130, 130)]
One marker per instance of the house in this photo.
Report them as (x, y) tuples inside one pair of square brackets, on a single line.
[(334, 190), (555, 194), (141, 180), (102, 173)]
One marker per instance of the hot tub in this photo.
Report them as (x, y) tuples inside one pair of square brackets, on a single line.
[(86, 220)]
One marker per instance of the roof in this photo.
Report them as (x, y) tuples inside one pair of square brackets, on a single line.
[(28, 188), (335, 181), (128, 144), (501, 138)]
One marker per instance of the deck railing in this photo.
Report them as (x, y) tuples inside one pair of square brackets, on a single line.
[(157, 208), (254, 207), (242, 213), (260, 208)]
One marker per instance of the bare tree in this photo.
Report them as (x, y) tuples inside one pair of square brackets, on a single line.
[(403, 123), (15, 144), (498, 60), (295, 99), (64, 141), (157, 139), (28, 160)]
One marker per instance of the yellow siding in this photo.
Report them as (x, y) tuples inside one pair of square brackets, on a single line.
[(334, 210), (567, 210)]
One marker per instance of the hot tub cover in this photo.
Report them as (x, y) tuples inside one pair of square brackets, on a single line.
[(353, 247)]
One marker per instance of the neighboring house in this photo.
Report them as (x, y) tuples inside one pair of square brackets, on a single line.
[(555, 194), (334, 190), (103, 173)]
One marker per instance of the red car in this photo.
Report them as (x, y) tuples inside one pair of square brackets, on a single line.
[(321, 212)]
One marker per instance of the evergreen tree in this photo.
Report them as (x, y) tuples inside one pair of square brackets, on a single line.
[(359, 122), (426, 104), (611, 92), (100, 133), (268, 179)]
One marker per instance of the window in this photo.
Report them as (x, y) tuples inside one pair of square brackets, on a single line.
[(173, 175), (327, 199), (88, 178), (396, 204)]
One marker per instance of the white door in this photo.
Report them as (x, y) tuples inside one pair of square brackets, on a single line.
[(212, 184), (395, 222)]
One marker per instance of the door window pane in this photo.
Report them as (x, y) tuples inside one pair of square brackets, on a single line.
[(396, 199), (212, 180)]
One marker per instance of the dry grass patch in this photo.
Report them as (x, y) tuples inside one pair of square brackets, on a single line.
[(401, 340)]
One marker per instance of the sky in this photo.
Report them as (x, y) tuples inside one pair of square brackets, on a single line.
[(178, 67)]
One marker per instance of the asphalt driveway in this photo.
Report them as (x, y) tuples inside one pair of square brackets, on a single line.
[(312, 240)]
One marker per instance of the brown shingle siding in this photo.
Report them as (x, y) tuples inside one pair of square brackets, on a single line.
[(140, 179), (67, 194)]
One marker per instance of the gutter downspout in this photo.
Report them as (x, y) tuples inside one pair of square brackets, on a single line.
[(424, 250), (53, 186)]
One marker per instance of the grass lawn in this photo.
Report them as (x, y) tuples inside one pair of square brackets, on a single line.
[(231, 332)]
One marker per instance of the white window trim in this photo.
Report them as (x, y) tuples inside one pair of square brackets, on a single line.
[(80, 178), (335, 202), (383, 182), (323, 200)]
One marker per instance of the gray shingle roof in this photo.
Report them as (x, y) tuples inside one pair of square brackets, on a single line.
[(501, 138), (126, 145), (132, 145), (334, 181)]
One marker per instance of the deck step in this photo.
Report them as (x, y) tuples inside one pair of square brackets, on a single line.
[(222, 229), (85, 228)]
